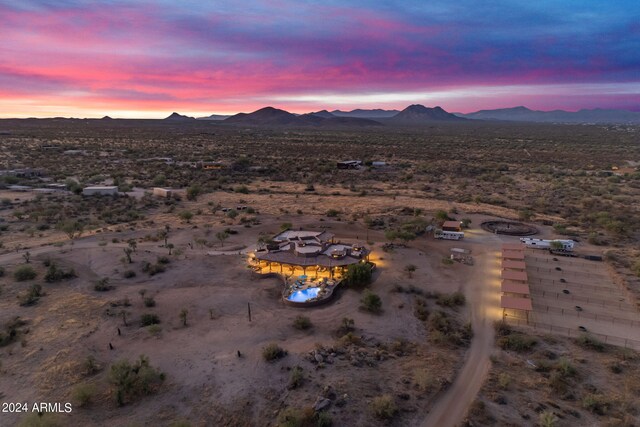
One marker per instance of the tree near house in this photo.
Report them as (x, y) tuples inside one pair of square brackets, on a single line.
[(222, 236)]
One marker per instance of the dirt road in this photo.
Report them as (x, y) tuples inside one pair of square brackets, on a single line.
[(482, 296)]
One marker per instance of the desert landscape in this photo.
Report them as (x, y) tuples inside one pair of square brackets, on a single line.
[(142, 308), (319, 214)]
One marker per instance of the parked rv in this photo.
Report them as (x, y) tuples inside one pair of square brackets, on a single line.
[(448, 235), (565, 245)]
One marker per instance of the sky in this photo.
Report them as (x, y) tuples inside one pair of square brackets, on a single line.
[(145, 59)]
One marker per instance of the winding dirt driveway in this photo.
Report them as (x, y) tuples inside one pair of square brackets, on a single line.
[(482, 296)]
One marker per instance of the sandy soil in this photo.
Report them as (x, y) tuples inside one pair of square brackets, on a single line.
[(72, 321)]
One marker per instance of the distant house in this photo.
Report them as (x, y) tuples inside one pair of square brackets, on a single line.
[(22, 173), (452, 226), (100, 191), (20, 188), (57, 186), (211, 165), (378, 164), (167, 193), (349, 164)]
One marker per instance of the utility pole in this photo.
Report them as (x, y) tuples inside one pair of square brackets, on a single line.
[(249, 310)]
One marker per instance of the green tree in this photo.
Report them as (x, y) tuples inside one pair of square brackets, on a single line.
[(72, 229), (371, 302), (358, 275), (193, 192), (222, 236)]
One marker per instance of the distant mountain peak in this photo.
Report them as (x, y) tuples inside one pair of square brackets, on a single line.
[(419, 114), (178, 117)]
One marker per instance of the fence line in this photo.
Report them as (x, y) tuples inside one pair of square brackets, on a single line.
[(574, 284), (544, 327), (572, 297), (582, 314)]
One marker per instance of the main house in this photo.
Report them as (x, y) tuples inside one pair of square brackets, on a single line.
[(309, 251)]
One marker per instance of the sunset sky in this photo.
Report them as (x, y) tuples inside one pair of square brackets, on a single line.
[(128, 58)]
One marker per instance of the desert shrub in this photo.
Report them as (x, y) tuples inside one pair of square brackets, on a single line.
[(384, 407), (420, 309), (547, 419), (102, 285), (451, 300), (11, 331), (423, 380), (45, 419), (129, 274), (350, 339), (82, 394), (55, 274), (565, 368), (504, 380), (502, 328), (134, 380), (636, 268), (90, 366), (163, 259), (273, 352), (517, 342), (346, 325), (186, 215), (296, 378), (590, 342), (148, 319), (1, 271), (358, 275), (444, 330), (24, 272), (149, 302), (154, 330), (596, 403), (296, 417), (302, 323), (323, 419), (332, 213), (615, 367), (31, 295), (371, 302), (153, 269)]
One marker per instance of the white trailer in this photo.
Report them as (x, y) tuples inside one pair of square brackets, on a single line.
[(565, 245), (100, 191), (448, 235)]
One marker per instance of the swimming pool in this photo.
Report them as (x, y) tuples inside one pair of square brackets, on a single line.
[(304, 295)]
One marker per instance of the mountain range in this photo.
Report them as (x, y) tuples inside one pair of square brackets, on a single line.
[(413, 115), (524, 114)]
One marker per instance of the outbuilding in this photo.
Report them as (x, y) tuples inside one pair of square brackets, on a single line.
[(100, 191)]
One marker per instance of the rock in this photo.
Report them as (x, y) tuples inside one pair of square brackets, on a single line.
[(321, 403), (319, 358)]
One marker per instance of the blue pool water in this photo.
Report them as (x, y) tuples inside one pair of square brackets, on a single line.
[(304, 295)]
